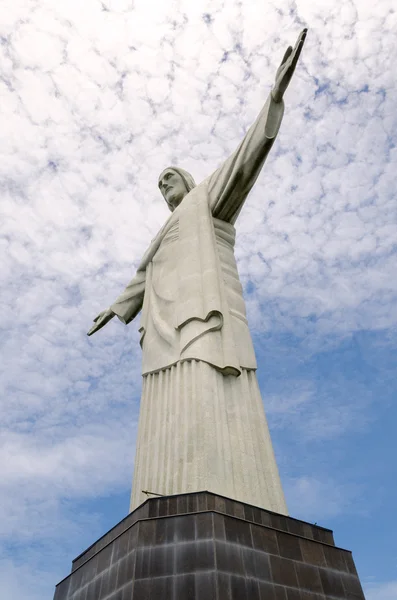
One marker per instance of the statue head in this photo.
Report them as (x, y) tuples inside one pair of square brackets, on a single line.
[(175, 184)]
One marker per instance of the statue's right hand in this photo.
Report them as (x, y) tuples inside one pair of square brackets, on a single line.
[(104, 317)]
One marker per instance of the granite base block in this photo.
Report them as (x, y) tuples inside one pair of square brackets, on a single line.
[(202, 546)]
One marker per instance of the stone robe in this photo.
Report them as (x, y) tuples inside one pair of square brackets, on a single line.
[(187, 284)]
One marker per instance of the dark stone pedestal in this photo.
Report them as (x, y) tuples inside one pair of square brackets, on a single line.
[(202, 546)]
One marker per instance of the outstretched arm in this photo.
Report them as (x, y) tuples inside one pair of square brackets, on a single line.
[(229, 186), (126, 306)]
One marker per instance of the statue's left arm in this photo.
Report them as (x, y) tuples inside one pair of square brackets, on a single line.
[(230, 185)]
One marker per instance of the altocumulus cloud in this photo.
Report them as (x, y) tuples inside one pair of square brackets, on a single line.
[(97, 98)]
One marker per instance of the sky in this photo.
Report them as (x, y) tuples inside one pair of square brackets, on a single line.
[(96, 99)]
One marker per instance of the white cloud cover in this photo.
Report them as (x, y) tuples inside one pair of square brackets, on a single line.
[(97, 98), (381, 591), (311, 498)]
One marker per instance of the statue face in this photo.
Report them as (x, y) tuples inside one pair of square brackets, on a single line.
[(172, 187)]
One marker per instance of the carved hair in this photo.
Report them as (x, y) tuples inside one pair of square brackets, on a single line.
[(186, 177)]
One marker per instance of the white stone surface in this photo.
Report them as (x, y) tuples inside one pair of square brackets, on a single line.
[(202, 430)]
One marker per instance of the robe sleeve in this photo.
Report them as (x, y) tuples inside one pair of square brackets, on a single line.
[(228, 186), (130, 302)]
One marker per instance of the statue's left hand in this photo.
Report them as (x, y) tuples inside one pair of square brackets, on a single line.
[(287, 67)]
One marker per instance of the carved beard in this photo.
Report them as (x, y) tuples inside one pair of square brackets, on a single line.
[(172, 205)]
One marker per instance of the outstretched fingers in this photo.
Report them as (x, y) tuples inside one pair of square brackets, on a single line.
[(298, 48), (286, 56), (297, 55), (98, 319), (301, 38), (92, 330)]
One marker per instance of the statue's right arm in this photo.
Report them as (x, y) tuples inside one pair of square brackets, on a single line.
[(126, 306), (130, 302)]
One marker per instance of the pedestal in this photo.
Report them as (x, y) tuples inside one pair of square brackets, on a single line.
[(202, 546)]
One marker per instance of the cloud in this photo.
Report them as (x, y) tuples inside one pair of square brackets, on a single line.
[(316, 500), (381, 591), (17, 579), (319, 412)]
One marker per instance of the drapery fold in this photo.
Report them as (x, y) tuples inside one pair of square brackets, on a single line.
[(201, 430)]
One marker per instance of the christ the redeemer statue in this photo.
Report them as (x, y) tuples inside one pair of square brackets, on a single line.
[(202, 424)]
